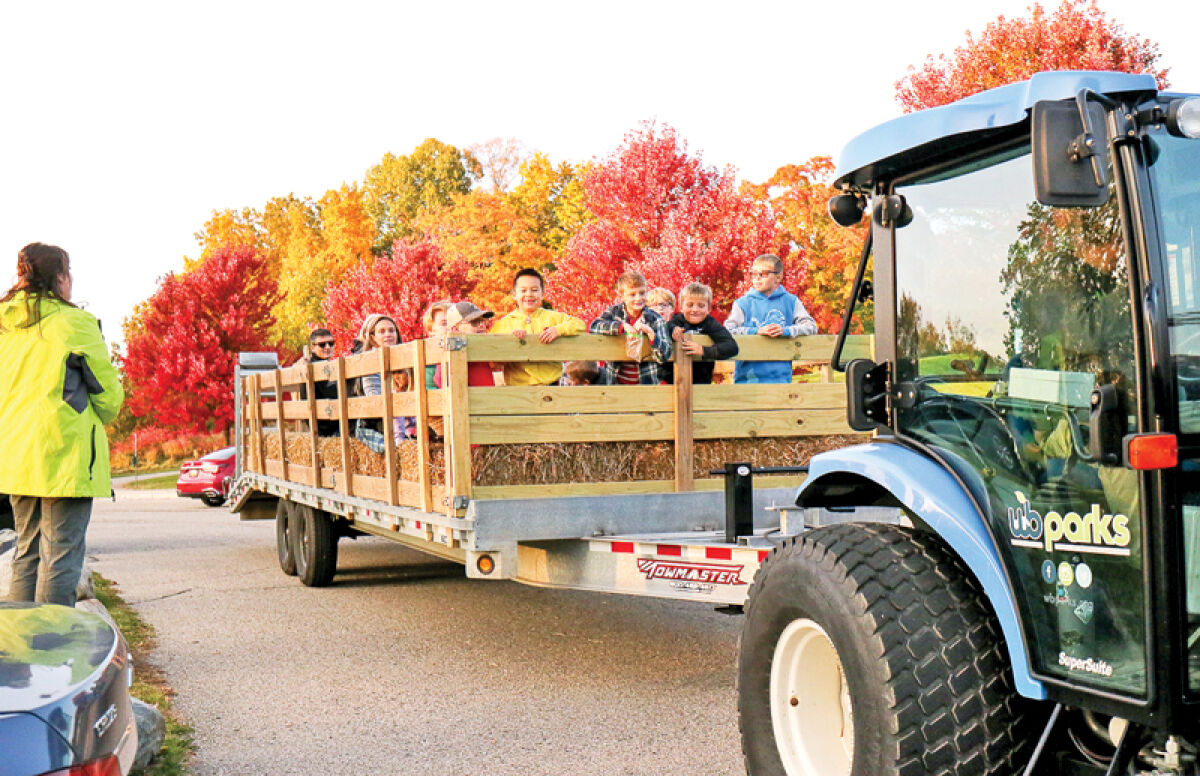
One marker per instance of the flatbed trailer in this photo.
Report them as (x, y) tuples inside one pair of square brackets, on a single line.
[(691, 538)]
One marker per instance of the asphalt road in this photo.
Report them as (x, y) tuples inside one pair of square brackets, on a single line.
[(403, 666)]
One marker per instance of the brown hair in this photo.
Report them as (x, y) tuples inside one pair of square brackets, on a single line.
[(696, 291), (631, 279), (38, 268), (582, 371), (770, 258)]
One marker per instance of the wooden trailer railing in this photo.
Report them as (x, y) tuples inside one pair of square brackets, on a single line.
[(682, 414)]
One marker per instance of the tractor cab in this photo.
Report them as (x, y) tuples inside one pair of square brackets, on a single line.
[(1034, 270)]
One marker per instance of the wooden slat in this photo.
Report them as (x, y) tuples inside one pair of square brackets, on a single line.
[(258, 423), (297, 409), (770, 423), (437, 403), (266, 380), (595, 347), (556, 400), (294, 375), (758, 396), (282, 425), (313, 436), (370, 487), (372, 407), (551, 400), (634, 427), (325, 370), (389, 429), (401, 356), (585, 347), (458, 426), (684, 449), (344, 426), (424, 478)]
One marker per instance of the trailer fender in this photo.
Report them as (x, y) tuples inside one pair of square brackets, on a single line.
[(889, 474)]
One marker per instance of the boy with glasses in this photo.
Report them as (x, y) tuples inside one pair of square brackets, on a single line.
[(768, 309)]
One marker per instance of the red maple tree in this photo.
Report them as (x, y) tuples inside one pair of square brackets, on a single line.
[(401, 283), (659, 210), (182, 342), (1076, 36)]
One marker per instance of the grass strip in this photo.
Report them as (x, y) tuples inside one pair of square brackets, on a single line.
[(153, 483), (149, 684)]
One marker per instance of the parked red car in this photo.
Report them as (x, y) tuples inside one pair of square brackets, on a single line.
[(208, 478)]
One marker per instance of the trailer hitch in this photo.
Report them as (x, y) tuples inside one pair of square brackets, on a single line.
[(739, 495)]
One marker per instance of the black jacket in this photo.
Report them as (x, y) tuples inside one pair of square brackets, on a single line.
[(723, 346)]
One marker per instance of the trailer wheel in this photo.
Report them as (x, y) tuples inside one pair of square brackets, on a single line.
[(869, 650), (283, 539), (212, 501), (314, 545)]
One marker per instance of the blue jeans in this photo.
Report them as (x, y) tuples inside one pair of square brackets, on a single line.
[(50, 548)]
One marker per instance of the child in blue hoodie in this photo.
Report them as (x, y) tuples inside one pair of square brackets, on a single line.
[(771, 311)]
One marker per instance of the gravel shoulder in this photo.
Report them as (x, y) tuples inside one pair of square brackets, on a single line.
[(405, 666)]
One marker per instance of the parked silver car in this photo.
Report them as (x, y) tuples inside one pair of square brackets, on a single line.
[(64, 694)]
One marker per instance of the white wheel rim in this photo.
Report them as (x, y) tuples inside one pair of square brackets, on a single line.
[(810, 703)]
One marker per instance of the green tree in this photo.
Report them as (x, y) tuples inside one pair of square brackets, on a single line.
[(399, 187)]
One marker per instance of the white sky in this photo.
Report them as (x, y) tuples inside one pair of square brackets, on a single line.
[(126, 124)]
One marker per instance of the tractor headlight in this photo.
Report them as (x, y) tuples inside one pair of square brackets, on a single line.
[(1183, 117)]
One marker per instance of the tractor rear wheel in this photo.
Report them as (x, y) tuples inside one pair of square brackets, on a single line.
[(869, 650)]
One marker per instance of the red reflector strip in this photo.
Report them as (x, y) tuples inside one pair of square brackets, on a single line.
[(622, 546), (718, 553), (1152, 451), (418, 525), (669, 549), (762, 555)]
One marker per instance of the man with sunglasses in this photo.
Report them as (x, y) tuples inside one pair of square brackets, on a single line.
[(321, 347)]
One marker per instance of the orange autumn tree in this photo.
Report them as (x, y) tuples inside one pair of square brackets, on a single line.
[(319, 254), (486, 232), (822, 257), (1075, 36)]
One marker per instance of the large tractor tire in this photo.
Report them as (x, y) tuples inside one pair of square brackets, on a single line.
[(314, 544), (868, 650), (283, 539)]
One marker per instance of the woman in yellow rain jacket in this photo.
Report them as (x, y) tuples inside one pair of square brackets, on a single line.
[(57, 390)]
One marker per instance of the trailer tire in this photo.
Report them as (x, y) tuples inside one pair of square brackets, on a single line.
[(283, 538), (212, 501), (314, 545), (869, 649)]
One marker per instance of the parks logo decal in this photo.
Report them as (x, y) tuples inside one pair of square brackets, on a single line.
[(1091, 532)]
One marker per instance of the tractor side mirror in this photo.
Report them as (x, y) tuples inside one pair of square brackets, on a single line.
[(1070, 154), (1106, 422), (866, 394)]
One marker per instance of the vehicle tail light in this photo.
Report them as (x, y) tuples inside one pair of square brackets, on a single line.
[(210, 467), (1151, 451), (105, 766)]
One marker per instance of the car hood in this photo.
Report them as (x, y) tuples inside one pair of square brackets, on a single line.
[(48, 653)]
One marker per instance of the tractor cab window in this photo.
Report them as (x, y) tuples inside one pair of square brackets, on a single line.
[(1175, 176), (1010, 313)]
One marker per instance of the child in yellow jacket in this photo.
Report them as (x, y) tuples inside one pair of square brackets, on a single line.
[(530, 318)]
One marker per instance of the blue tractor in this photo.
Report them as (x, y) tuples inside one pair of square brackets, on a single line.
[(1033, 274)]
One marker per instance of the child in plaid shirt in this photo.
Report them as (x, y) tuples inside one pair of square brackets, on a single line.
[(634, 318)]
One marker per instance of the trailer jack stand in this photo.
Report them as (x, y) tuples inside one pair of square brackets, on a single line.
[(739, 495)]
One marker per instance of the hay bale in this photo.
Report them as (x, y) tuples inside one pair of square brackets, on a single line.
[(565, 462)]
